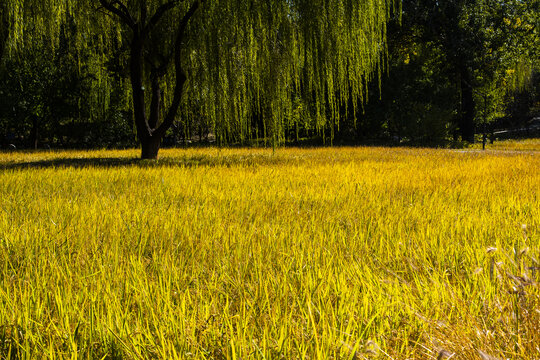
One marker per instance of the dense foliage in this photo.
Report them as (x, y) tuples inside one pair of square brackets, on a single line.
[(456, 67), (264, 72)]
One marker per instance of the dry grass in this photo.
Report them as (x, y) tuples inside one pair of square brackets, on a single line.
[(365, 253), (512, 145)]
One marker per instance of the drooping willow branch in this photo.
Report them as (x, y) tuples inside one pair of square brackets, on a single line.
[(227, 62)]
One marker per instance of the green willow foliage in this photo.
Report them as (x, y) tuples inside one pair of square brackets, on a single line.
[(33, 26), (244, 59)]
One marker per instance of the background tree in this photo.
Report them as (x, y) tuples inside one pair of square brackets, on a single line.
[(59, 88), (263, 73), (452, 66), (268, 53), (55, 97), (243, 58)]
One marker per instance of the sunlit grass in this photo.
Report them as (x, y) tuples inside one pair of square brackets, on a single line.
[(306, 253), (512, 145)]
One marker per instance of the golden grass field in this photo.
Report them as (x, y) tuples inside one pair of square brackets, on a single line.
[(345, 253)]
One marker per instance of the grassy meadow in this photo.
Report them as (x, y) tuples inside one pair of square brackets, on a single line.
[(345, 253)]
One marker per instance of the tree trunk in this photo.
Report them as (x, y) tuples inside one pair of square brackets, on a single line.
[(466, 124), (149, 132), (149, 144), (34, 133), (150, 148), (136, 77)]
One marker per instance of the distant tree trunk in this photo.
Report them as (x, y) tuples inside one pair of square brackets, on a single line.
[(466, 123), (34, 133)]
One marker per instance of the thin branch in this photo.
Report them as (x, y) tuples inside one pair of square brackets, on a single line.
[(180, 73), (183, 24), (123, 8), (121, 11), (144, 13)]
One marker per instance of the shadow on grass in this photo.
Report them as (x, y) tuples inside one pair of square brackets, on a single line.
[(71, 162), (187, 161)]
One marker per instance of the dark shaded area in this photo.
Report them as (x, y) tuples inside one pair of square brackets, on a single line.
[(74, 163), (187, 161)]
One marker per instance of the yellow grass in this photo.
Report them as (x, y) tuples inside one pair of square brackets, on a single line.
[(512, 145), (366, 253)]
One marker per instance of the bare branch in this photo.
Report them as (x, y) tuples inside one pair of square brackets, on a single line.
[(121, 11), (180, 73), (185, 20), (144, 13), (122, 7)]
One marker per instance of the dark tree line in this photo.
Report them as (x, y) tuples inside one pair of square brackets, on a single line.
[(458, 68)]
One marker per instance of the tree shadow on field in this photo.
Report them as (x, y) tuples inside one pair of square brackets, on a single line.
[(121, 162), (70, 162)]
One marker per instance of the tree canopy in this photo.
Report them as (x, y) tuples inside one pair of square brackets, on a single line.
[(454, 66), (250, 72), (242, 59)]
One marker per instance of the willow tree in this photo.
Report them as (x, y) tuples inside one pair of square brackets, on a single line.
[(24, 21), (4, 25), (234, 58)]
